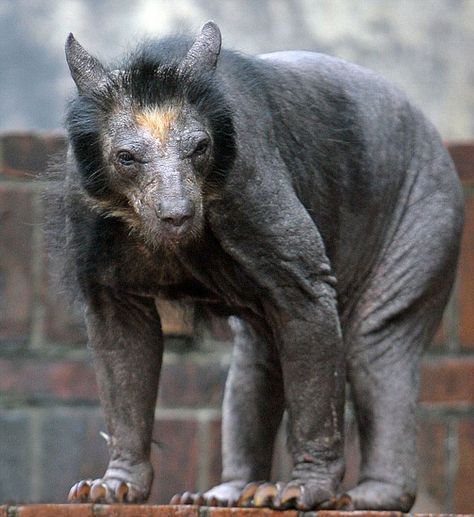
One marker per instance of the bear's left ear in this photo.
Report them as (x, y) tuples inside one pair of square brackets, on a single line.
[(203, 55), (86, 70)]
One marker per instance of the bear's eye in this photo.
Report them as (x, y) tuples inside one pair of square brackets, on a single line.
[(125, 158), (201, 147)]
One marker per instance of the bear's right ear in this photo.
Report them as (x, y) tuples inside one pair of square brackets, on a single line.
[(86, 70)]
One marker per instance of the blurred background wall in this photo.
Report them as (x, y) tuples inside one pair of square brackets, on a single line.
[(49, 413), (424, 46)]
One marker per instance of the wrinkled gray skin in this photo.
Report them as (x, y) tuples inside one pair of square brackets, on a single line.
[(336, 256)]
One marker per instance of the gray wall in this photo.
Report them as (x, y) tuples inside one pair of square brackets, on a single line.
[(424, 46)]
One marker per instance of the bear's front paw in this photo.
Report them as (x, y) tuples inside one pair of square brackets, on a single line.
[(298, 494), (122, 483), (225, 494)]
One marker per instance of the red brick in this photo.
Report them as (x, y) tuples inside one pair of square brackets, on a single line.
[(16, 263), (215, 458), (463, 157), (142, 510), (175, 459), (249, 512), (56, 510), (466, 279), (3, 511), (66, 380), (186, 384), (432, 460), (463, 494), (447, 381), (26, 155), (189, 384), (63, 323)]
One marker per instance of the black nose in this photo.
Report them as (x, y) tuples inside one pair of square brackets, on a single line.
[(176, 213)]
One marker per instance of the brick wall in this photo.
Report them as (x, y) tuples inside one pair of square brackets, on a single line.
[(49, 414)]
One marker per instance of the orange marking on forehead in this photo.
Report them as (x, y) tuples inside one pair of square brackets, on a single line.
[(157, 120)]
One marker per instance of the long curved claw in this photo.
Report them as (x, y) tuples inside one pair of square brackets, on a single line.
[(105, 491), (247, 494), (72, 496), (72, 493), (83, 489), (79, 492), (265, 495), (198, 499), (330, 504), (176, 499), (344, 503), (212, 501), (187, 498), (98, 492), (290, 497), (121, 492)]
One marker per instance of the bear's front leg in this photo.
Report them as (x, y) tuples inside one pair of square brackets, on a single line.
[(312, 363), (251, 413), (313, 369), (125, 339), (279, 246)]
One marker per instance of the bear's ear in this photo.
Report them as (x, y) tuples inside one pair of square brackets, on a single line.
[(86, 70), (203, 55)]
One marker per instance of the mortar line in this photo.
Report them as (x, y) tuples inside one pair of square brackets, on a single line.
[(186, 413), (30, 185)]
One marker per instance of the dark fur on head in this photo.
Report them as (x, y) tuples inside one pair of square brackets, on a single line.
[(150, 76)]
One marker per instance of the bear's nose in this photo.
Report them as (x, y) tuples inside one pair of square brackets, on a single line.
[(176, 213)]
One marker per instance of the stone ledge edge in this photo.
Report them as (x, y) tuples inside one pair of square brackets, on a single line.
[(117, 510)]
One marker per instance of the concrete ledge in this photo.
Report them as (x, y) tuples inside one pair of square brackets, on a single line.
[(122, 510)]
